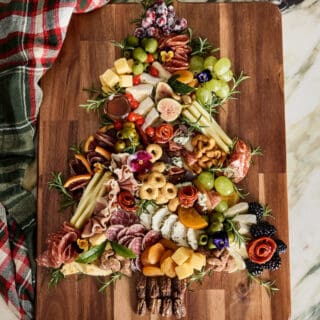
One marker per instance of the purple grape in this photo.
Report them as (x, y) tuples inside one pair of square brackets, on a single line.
[(162, 9), (171, 9), (140, 32), (161, 21), (170, 21), (151, 31), (146, 22), (150, 14), (166, 30), (183, 23)]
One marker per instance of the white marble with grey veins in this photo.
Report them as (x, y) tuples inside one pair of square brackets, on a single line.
[(301, 45)]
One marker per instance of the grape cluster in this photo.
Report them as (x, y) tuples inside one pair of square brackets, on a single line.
[(213, 76), (160, 19)]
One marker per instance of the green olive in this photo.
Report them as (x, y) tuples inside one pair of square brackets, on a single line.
[(231, 236), (217, 217), (128, 124), (119, 146), (215, 227)]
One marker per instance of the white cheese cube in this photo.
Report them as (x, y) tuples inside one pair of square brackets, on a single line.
[(122, 66), (125, 81)]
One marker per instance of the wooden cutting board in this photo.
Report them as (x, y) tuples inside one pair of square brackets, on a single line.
[(250, 35)]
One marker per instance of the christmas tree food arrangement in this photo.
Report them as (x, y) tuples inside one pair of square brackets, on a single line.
[(155, 189)]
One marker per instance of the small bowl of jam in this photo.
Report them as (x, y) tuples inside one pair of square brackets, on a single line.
[(117, 108)]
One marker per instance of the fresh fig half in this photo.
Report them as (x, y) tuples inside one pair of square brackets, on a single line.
[(163, 90), (169, 109)]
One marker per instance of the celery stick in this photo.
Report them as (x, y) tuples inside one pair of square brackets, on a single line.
[(214, 124), (209, 130), (85, 198), (99, 191)]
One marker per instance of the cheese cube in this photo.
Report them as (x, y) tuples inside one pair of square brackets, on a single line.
[(197, 260), (125, 81), (97, 239), (184, 271), (109, 78), (122, 66), (181, 255)]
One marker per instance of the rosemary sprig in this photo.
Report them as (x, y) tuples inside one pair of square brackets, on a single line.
[(56, 276), (143, 206), (57, 183), (76, 148), (230, 225), (95, 103), (193, 125), (112, 279), (240, 192), (200, 46), (225, 170), (267, 212), (233, 91), (198, 276), (267, 284)]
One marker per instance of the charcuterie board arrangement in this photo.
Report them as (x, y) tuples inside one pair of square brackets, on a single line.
[(155, 189)]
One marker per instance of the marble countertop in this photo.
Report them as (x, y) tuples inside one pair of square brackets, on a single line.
[(301, 45)]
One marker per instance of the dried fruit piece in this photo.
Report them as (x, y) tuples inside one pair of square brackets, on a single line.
[(190, 218), (151, 271)]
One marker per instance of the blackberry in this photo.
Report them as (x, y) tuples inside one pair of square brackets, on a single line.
[(257, 209), (281, 246), (274, 263), (262, 229), (253, 268)]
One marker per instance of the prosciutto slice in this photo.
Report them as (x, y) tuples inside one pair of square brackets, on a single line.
[(98, 223), (60, 247), (126, 179)]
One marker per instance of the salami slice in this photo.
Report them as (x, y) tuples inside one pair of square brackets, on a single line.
[(150, 238), (136, 245), (122, 233), (119, 217), (125, 240), (136, 228), (112, 231)]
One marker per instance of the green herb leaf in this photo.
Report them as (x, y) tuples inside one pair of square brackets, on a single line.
[(178, 86), (122, 250), (113, 278), (267, 284), (93, 254), (56, 276)]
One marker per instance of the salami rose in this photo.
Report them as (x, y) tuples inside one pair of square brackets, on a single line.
[(164, 133), (261, 250), (126, 201), (187, 196)]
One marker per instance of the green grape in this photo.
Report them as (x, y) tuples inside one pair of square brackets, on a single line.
[(196, 63), (224, 90), (222, 66), (222, 206), (226, 76), (132, 41), (204, 96), (137, 68), (151, 45), (139, 54), (213, 85), (217, 217), (206, 179), (209, 62), (224, 186)]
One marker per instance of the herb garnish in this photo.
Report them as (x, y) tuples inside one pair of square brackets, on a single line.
[(92, 254), (122, 250)]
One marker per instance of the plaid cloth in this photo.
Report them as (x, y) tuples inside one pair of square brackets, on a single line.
[(31, 36)]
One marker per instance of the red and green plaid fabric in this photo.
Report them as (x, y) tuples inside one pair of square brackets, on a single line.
[(31, 36)]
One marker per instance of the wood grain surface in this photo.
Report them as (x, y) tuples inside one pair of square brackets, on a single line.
[(250, 35)]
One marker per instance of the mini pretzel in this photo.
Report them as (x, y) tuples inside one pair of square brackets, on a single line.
[(148, 192), (173, 204), (169, 191), (159, 167), (155, 150), (156, 179)]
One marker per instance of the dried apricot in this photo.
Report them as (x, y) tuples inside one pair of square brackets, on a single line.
[(190, 218)]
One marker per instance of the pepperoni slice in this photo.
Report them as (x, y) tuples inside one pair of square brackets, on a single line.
[(261, 250)]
